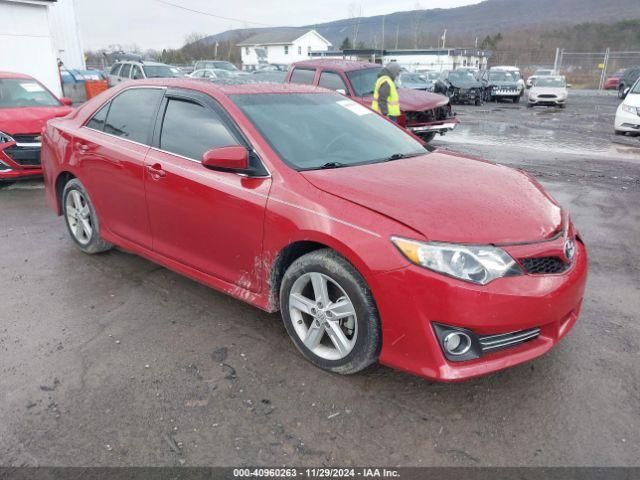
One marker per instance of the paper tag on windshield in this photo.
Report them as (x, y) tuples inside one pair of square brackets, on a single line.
[(32, 87), (354, 107)]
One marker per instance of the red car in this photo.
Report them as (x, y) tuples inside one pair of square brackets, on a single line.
[(295, 198), (423, 113), (25, 106), (611, 83)]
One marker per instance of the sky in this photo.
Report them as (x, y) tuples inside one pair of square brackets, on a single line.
[(153, 24)]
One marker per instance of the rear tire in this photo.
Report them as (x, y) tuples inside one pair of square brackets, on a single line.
[(329, 313), (427, 136), (81, 219), (6, 183)]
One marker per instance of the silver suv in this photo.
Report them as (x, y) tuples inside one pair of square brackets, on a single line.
[(135, 70)]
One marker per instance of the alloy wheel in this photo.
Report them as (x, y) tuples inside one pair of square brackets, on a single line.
[(78, 216), (323, 316)]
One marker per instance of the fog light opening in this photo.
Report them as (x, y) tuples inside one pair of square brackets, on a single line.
[(457, 343)]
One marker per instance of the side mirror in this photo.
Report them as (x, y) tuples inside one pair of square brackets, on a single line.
[(67, 102), (625, 92), (568, 85), (227, 159), (341, 91)]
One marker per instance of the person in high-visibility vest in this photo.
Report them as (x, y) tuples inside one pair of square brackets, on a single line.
[(385, 94)]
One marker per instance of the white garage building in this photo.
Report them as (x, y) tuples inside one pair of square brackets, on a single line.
[(34, 34), (281, 47)]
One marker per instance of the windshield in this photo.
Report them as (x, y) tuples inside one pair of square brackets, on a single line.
[(312, 131), (543, 72), (550, 82), (501, 77), (635, 88), (412, 78), (19, 92), (159, 71), (431, 75), (363, 81), (225, 66), (461, 76)]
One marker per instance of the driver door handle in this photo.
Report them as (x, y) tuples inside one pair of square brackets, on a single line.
[(156, 171)]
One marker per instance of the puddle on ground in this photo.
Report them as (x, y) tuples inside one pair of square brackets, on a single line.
[(544, 139)]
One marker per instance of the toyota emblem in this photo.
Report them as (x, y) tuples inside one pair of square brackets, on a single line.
[(569, 249)]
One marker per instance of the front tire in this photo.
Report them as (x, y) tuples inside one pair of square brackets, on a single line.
[(516, 99), (6, 183), (81, 218), (427, 136), (329, 313), (621, 92)]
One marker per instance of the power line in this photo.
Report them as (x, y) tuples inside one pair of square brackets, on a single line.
[(193, 10)]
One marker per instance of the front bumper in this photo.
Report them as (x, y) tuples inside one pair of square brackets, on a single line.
[(18, 161), (547, 101), (441, 127), (549, 302), (626, 121)]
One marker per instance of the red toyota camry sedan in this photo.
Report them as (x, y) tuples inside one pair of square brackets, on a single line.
[(295, 198)]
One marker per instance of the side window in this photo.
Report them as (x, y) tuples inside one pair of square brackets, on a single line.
[(303, 75), (189, 130), (126, 70), (115, 68), (136, 72), (332, 81), (98, 119), (132, 114)]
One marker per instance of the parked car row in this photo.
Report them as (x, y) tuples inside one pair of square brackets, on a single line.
[(627, 120)]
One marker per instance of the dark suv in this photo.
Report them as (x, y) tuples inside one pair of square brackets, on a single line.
[(627, 79)]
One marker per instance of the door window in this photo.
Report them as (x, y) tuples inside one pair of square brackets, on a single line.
[(126, 70), (332, 81), (132, 113), (303, 75), (189, 130), (136, 72), (98, 119), (115, 69)]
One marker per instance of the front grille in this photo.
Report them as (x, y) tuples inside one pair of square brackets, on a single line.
[(546, 95), (491, 343), (428, 116), (24, 156), (543, 265), (35, 138)]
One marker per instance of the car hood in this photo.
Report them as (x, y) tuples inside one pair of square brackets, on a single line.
[(632, 99), (449, 198), (548, 90), (465, 84), (415, 100), (28, 120), (505, 84)]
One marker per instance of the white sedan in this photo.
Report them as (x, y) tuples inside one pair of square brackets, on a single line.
[(628, 113), (548, 91)]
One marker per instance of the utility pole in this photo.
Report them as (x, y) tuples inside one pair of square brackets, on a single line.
[(444, 38), (603, 76), (555, 62), (397, 34), (215, 51), (383, 18)]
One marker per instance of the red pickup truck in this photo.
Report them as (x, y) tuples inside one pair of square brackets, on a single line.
[(424, 114)]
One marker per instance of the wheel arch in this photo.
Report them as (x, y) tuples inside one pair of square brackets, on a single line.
[(61, 180), (296, 249)]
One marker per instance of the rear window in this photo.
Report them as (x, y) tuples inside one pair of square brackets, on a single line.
[(132, 113), (303, 75)]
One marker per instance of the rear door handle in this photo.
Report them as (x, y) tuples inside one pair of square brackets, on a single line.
[(156, 171)]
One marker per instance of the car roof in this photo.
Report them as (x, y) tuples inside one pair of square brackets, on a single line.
[(227, 89), (15, 75), (337, 64)]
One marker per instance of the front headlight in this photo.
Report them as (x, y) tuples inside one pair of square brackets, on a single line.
[(5, 138), (630, 109), (477, 264)]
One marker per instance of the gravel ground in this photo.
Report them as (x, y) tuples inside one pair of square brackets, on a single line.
[(112, 360)]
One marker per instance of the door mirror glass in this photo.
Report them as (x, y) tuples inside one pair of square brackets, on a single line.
[(229, 159), (626, 92)]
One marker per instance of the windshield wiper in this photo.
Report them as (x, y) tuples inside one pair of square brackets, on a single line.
[(333, 165), (399, 156)]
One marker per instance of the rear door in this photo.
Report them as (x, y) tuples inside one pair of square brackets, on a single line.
[(208, 220), (110, 150)]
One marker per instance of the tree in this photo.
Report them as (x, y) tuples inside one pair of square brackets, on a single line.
[(346, 44)]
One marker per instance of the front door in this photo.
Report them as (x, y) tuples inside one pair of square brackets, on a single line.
[(211, 221)]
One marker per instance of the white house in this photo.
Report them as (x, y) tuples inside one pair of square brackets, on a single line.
[(281, 47), (34, 34)]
